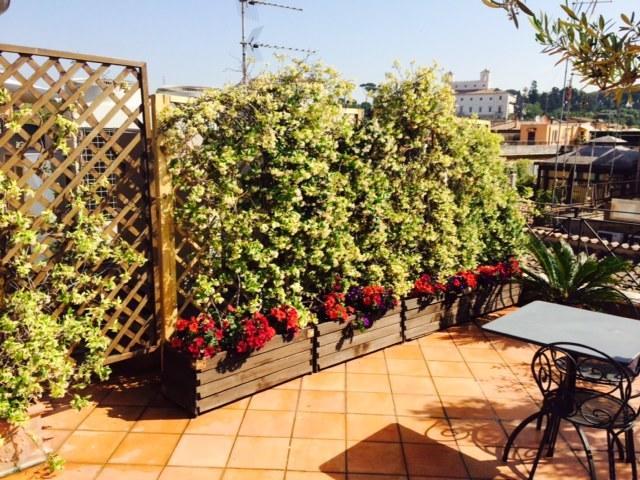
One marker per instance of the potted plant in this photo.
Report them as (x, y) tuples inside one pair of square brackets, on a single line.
[(561, 276), (356, 322), (214, 359), (469, 293)]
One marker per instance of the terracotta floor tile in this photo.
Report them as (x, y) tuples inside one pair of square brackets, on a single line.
[(90, 447), (373, 476), (471, 407), (331, 381), (374, 403), (373, 457), (457, 387), (250, 474), (162, 420), (202, 451), (476, 355), (112, 418), (503, 389), (224, 421), (263, 423), (407, 367), (339, 368), (317, 455), (139, 396), (367, 382), (560, 467), (130, 472), (274, 400), (145, 449), (65, 417), (483, 462), (407, 351), (71, 471), (426, 430), (259, 452), (418, 405), (290, 385), (513, 408), (372, 428), (434, 460), (54, 439), (442, 352), (320, 425), (317, 401), (478, 432), (449, 369), (291, 475), (367, 364), (190, 473), (412, 385), (491, 371), (528, 438), (241, 404)]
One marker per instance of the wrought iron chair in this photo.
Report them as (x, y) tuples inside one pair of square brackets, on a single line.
[(589, 389)]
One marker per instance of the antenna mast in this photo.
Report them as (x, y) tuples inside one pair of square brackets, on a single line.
[(251, 43)]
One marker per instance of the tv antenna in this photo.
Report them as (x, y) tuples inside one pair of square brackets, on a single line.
[(251, 43)]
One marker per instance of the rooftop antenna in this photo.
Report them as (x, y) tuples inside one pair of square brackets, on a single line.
[(252, 43)]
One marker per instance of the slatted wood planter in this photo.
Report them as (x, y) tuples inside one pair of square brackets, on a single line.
[(420, 319), (202, 385), (337, 343)]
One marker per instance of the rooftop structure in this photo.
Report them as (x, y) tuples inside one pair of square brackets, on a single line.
[(476, 97)]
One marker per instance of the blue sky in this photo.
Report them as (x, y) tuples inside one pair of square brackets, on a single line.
[(195, 42)]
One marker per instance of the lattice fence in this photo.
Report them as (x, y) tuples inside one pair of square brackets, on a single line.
[(111, 156)]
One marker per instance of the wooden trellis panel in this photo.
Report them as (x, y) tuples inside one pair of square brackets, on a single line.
[(111, 156)]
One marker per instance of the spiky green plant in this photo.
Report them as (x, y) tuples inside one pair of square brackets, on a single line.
[(579, 280)]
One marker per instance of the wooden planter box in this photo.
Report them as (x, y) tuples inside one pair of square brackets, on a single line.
[(202, 385), (336, 343), (420, 319)]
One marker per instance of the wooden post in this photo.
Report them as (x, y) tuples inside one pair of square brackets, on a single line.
[(166, 231)]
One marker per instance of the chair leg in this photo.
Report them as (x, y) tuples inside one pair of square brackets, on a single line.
[(539, 422), (553, 436), (545, 439), (621, 447), (587, 450), (517, 431), (611, 455), (631, 454)]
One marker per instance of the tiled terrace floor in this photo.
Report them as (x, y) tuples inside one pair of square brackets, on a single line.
[(438, 407)]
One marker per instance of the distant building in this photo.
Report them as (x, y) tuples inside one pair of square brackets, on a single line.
[(476, 97)]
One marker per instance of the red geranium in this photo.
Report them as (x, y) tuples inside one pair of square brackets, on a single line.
[(257, 332), (287, 317), (200, 336)]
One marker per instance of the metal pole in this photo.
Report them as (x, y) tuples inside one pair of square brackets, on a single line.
[(244, 44)]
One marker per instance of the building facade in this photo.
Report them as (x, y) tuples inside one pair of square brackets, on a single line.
[(476, 97)]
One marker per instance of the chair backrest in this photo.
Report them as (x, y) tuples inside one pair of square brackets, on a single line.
[(579, 379)]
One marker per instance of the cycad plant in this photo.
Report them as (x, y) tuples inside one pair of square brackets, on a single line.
[(578, 280)]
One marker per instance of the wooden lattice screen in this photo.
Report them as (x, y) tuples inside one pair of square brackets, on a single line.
[(111, 155)]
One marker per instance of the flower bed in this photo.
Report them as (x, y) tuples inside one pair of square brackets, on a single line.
[(463, 296), (201, 385), (216, 359), (341, 342), (360, 321)]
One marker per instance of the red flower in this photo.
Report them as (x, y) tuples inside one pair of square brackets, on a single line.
[(176, 343), (182, 324), (193, 326)]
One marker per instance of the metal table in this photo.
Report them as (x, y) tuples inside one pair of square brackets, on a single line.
[(543, 323)]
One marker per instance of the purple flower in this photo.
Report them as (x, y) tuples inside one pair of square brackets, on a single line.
[(366, 321)]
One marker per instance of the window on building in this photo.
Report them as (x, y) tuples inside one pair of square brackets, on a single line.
[(491, 99), (499, 109), (479, 109), (500, 97), (489, 109), (470, 109), (480, 98)]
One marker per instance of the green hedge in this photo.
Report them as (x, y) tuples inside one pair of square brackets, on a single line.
[(282, 193)]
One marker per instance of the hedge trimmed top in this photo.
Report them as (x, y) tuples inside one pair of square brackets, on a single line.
[(281, 192)]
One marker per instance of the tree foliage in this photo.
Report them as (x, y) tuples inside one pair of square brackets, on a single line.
[(604, 52)]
